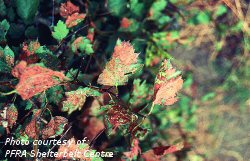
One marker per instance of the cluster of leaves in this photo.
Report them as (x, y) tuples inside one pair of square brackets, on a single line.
[(91, 68)]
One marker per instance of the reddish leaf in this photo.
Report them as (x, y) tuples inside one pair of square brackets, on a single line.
[(95, 126), (134, 151), (35, 79), (54, 127), (126, 23), (76, 44), (119, 116), (167, 149), (28, 54), (8, 116), (167, 85), (91, 34), (68, 9), (74, 19), (31, 128), (121, 66), (156, 153)]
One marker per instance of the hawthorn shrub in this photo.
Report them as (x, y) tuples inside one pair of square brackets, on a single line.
[(96, 69)]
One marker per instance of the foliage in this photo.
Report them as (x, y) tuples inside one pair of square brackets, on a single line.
[(107, 70)]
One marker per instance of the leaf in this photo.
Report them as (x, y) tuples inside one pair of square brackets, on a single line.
[(68, 9), (142, 93), (29, 50), (31, 128), (129, 25), (34, 79), (28, 106), (54, 128), (47, 57), (167, 85), (3, 9), (95, 126), (117, 116), (76, 99), (55, 94), (221, 10), (158, 152), (123, 63), (8, 116), (83, 44), (74, 19), (117, 7), (60, 31), (208, 96), (9, 56), (27, 9), (4, 27), (156, 8), (203, 18), (4, 67), (137, 8), (134, 151)]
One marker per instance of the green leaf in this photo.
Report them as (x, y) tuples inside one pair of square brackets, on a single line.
[(28, 105), (27, 9), (208, 96), (9, 56), (60, 31), (117, 7), (3, 9), (55, 94), (203, 18), (221, 10), (137, 8), (140, 93), (47, 57), (4, 27), (157, 7), (4, 68), (84, 45), (189, 81)]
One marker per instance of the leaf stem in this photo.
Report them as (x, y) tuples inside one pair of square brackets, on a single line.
[(8, 93)]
